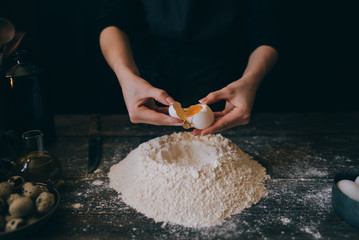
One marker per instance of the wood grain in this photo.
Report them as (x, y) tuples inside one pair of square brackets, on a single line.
[(302, 154)]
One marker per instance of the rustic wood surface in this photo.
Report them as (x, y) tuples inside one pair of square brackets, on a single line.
[(301, 151)]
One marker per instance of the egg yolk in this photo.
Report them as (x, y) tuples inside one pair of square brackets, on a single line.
[(185, 113), (193, 110)]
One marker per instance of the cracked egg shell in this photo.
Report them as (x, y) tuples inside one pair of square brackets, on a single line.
[(199, 116)]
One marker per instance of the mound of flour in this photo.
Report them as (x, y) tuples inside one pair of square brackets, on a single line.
[(188, 180)]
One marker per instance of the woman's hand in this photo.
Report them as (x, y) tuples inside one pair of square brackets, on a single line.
[(240, 94), (140, 97), (239, 97)]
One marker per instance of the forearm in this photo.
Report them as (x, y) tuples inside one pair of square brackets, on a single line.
[(260, 63), (116, 49), (139, 95)]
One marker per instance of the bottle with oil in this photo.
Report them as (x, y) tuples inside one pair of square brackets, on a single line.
[(37, 165)]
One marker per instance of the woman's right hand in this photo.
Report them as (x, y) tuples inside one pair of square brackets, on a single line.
[(139, 95), (140, 98)]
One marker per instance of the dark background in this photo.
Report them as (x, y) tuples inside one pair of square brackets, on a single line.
[(317, 70)]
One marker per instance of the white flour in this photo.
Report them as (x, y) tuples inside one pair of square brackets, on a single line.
[(187, 180)]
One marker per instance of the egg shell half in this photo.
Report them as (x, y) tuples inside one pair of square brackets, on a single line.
[(172, 112), (349, 188), (202, 119)]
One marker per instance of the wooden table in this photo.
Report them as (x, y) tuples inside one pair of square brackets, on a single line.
[(301, 151)]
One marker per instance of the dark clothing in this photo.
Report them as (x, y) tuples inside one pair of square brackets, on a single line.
[(192, 47)]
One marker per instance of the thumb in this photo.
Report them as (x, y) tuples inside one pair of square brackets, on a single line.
[(162, 96), (213, 97)]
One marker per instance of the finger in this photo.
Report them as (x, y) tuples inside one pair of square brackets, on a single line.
[(149, 116), (170, 100), (213, 97), (218, 114), (163, 110), (152, 105), (196, 132), (222, 113), (162, 96), (230, 120)]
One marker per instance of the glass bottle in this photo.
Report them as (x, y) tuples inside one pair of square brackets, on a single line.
[(37, 165), (27, 100)]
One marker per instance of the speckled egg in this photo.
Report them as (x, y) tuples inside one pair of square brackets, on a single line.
[(12, 197), (32, 190), (21, 207), (5, 190), (44, 202), (16, 182), (14, 224)]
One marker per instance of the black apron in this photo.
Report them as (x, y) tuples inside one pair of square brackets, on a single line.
[(190, 48)]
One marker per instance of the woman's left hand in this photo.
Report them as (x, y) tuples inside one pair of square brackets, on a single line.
[(239, 96)]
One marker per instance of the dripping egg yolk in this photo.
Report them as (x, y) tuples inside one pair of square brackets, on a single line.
[(198, 116), (192, 110)]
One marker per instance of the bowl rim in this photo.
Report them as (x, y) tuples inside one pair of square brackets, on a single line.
[(340, 175)]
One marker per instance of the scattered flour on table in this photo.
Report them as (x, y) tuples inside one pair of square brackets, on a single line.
[(312, 231), (97, 182), (188, 180), (77, 205), (285, 221)]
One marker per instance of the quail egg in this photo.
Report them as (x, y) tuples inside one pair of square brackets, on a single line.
[(14, 224), (5, 190), (32, 190), (16, 182), (21, 207)]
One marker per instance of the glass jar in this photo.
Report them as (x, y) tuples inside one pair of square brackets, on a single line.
[(37, 165)]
